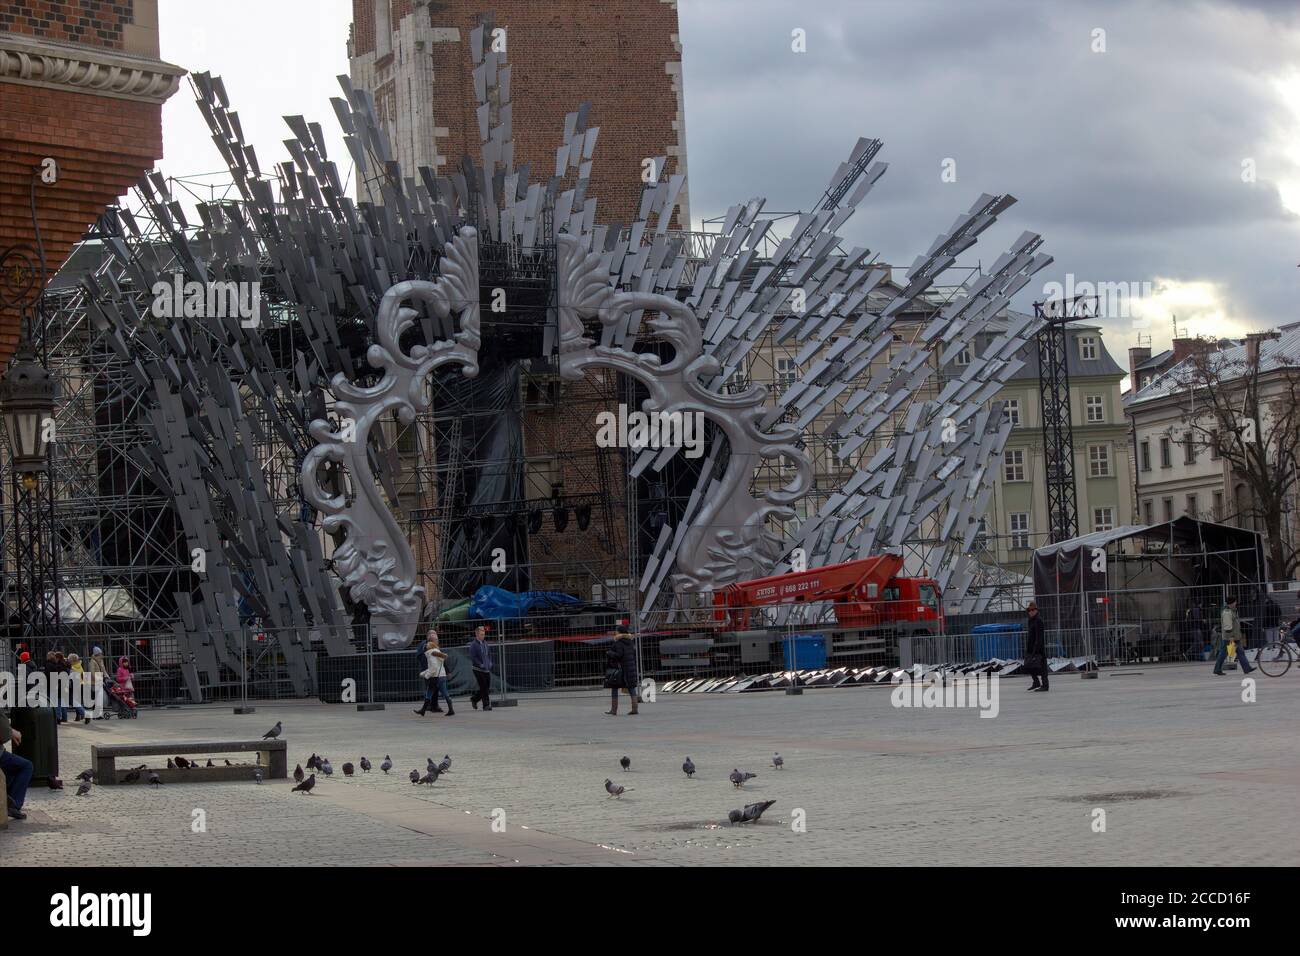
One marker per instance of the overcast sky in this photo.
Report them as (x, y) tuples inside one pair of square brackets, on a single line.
[(1135, 163)]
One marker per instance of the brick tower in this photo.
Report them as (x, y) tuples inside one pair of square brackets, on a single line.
[(623, 56)]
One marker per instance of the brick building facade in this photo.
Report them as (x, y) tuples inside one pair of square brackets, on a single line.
[(81, 84)]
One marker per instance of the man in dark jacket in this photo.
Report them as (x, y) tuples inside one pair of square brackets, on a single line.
[(1035, 649), (622, 655), (480, 659)]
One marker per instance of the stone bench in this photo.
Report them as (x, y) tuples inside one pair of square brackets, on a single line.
[(273, 757)]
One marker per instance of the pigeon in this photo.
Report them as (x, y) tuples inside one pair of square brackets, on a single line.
[(739, 777), (183, 763), (365, 765), (445, 764), (54, 783), (614, 790), (312, 761), (431, 777), (415, 776), (429, 764), (131, 777), (751, 813), (387, 765), (84, 788), (273, 732), (347, 769), (257, 775), (625, 763), (778, 761), (210, 763), (306, 785), (298, 775), (155, 779), (86, 776), (229, 764), (326, 768), (688, 768), (171, 764)]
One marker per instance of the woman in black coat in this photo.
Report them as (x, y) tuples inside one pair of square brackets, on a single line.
[(621, 656), (1035, 649)]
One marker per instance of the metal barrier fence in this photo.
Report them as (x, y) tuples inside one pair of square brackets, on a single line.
[(558, 653)]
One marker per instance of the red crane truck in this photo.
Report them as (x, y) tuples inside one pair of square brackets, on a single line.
[(872, 604)]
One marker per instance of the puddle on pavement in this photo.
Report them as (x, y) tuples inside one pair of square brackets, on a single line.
[(697, 825), (1122, 796)]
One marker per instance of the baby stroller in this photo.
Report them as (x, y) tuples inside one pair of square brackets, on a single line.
[(122, 703)]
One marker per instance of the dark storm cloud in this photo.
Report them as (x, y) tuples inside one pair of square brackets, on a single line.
[(1128, 162)]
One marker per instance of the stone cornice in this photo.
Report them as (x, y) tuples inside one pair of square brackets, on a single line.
[(85, 69)]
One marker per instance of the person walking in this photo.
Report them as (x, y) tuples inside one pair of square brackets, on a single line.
[(54, 666), (441, 689), (78, 681), (621, 669), (435, 676), (17, 770), (480, 659), (1035, 650), (1230, 630), (99, 676)]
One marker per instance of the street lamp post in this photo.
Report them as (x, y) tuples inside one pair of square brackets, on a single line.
[(28, 395)]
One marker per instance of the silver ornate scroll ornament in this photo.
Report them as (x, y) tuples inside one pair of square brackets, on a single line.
[(374, 560), (728, 539)]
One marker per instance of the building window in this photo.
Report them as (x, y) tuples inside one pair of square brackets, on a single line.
[(1019, 526), (1148, 512), (1169, 509), (1144, 449), (1096, 410), (1165, 459), (1088, 347), (1146, 380), (963, 357), (1191, 506), (1099, 461), (1103, 519), (1013, 464), (1218, 506), (1189, 449), (786, 373), (1011, 411), (1214, 445), (383, 29)]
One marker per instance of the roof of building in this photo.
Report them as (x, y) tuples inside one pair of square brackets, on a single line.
[(1281, 352), (1155, 361), (1077, 367)]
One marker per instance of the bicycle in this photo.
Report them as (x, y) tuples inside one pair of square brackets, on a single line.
[(1275, 659)]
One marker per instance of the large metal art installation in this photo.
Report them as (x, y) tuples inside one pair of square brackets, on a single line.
[(373, 297)]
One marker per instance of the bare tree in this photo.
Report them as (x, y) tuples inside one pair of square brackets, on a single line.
[(1248, 412)]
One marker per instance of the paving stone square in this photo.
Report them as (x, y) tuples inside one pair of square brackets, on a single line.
[(1172, 754)]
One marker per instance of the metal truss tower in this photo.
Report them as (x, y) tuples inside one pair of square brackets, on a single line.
[(1054, 396)]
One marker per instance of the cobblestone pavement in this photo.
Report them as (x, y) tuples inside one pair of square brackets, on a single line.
[(1185, 771)]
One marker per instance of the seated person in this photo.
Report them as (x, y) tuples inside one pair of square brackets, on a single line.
[(17, 770)]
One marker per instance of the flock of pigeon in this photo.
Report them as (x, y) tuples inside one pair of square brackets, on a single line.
[(87, 777), (304, 783), (750, 813)]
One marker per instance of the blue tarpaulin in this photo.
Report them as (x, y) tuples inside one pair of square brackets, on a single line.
[(490, 602)]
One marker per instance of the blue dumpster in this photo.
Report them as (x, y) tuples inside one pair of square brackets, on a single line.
[(1004, 641), (804, 651)]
